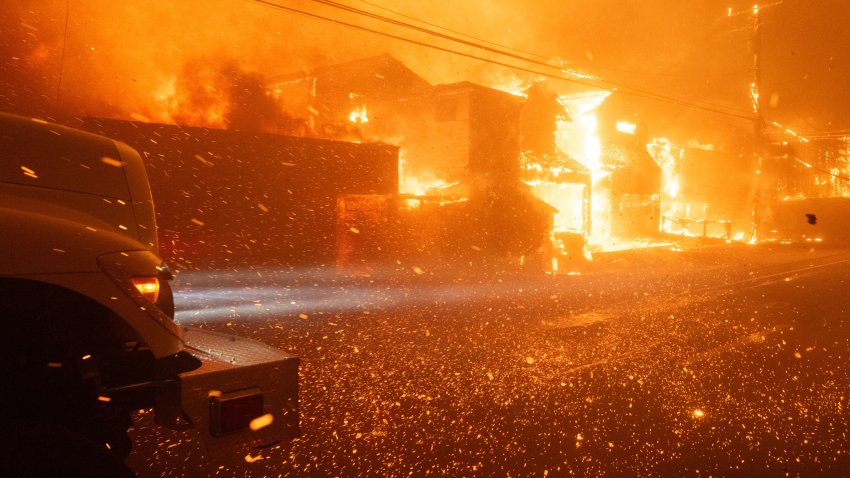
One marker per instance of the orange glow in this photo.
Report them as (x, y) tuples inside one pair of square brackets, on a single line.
[(175, 102), (148, 286)]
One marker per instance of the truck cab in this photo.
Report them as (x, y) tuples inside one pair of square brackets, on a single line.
[(89, 333)]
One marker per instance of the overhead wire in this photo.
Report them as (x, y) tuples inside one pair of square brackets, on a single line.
[(829, 173), (628, 89), (718, 109), (410, 17)]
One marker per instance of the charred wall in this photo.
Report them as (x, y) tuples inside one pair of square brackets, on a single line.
[(229, 198)]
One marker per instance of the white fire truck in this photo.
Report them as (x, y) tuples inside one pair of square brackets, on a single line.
[(88, 332)]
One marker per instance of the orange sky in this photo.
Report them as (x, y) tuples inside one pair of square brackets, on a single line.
[(120, 57)]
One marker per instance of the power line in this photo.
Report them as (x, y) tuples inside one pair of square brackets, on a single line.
[(830, 173), (64, 47), (409, 17), (621, 88)]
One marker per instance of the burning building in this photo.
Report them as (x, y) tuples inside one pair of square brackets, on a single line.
[(612, 190), (634, 178), (555, 177), (708, 191), (806, 190), (460, 147), (459, 171), (347, 101)]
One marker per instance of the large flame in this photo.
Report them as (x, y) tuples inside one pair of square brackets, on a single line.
[(359, 115), (421, 184), (662, 151), (580, 139)]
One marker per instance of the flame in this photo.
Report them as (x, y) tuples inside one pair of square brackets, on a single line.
[(359, 115), (417, 184), (680, 215), (511, 84), (626, 127), (662, 151), (580, 139), (202, 98), (754, 96)]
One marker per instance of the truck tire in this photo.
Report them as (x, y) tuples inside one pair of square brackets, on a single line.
[(42, 449), (54, 348)]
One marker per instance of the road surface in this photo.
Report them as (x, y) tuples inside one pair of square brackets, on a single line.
[(723, 361)]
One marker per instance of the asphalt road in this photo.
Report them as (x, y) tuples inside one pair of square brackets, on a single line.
[(721, 361)]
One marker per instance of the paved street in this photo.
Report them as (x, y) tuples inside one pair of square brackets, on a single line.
[(720, 361)]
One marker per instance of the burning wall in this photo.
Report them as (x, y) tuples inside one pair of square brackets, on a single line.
[(807, 191)]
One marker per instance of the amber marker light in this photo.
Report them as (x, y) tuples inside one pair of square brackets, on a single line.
[(148, 286)]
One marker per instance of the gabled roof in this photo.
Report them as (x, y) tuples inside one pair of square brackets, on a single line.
[(381, 67)]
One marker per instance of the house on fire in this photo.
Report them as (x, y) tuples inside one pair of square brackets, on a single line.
[(339, 101), (634, 179), (461, 196), (805, 192)]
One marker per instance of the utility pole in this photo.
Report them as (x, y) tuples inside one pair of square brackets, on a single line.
[(758, 121), (62, 59)]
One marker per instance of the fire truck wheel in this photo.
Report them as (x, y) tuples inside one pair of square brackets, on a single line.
[(53, 351), (41, 449)]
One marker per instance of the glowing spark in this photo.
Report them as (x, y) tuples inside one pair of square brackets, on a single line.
[(791, 132), (261, 422), (204, 161), (29, 172), (698, 413), (251, 459), (111, 162)]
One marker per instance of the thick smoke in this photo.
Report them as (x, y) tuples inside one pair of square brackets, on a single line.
[(120, 59)]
